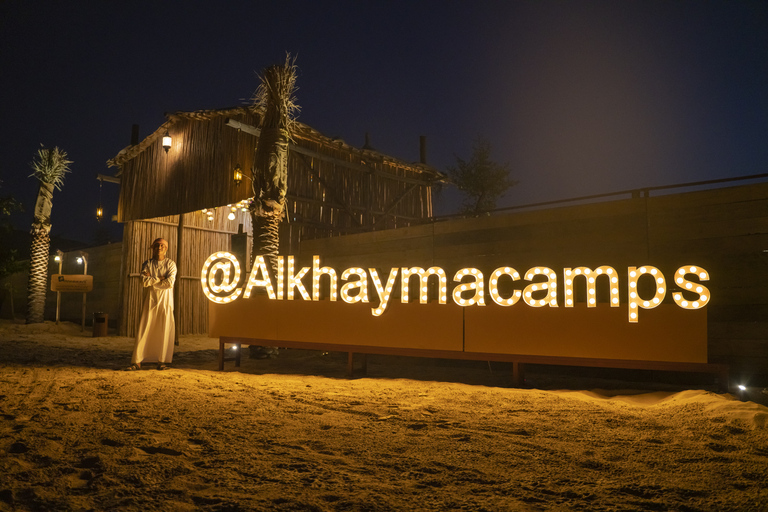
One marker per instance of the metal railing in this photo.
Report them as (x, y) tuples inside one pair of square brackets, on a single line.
[(637, 192)]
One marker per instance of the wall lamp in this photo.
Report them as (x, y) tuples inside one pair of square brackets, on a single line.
[(166, 141), (238, 175)]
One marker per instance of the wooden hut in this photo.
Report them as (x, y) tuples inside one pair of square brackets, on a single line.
[(171, 191)]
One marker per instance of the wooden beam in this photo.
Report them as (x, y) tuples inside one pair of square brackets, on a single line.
[(247, 128), (200, 228), (109, 179)]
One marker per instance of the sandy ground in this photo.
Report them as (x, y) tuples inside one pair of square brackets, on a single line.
[(294, 434)]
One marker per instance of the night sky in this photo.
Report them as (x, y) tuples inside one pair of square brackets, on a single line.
[(579, 97)]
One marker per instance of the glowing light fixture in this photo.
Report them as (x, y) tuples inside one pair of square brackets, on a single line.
[(99, 209), (237, 175), (166, 141)]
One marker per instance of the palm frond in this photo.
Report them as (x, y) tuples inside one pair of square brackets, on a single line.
[(276, 96), (50, 166)]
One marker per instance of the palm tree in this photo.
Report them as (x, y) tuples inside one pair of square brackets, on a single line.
[(270, 168), (49, 168)]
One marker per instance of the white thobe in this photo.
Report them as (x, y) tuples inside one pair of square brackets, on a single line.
[(157, 329)]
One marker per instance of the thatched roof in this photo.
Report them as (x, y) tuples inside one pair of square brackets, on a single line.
[(303, 131)]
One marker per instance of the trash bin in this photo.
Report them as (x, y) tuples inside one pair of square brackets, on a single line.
[(100, 323)]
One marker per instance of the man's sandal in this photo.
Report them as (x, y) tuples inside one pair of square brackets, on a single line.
[(162, 366), (133, 368)]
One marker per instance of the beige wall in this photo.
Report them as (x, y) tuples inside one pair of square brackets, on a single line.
[(723, 230)]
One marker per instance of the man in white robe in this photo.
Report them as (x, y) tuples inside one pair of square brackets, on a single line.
[(157, 329)]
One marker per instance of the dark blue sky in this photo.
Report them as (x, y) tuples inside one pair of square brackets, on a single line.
[(579, 97)]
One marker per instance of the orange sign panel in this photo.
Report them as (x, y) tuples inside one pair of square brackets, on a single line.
[(407, 326), (667, 332)]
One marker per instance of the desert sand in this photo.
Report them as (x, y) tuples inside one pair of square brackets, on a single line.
[(293, 433)]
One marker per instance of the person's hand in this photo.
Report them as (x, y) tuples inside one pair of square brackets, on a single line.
[(145, 273)]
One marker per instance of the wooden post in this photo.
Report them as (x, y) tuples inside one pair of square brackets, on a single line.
[(177, 288), (518, 376), (59, 255), (84, 255)]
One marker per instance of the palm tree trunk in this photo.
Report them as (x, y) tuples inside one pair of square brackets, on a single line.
[(38, 274), (265, 218), (270, 167), (38, 257)]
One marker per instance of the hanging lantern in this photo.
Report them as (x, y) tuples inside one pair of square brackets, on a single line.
[(99, 209), (237, 175), (166, 141)]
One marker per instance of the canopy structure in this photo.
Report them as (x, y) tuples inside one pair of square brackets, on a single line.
[(187, 191)]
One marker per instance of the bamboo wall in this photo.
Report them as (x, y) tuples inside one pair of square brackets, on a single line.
[(195, 173), (723, 230), (200, 239)]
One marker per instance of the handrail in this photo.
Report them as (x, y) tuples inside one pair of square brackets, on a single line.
[(636, 192)]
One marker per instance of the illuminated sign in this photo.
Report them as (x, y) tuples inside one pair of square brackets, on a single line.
[(71, 283), (221, 275)]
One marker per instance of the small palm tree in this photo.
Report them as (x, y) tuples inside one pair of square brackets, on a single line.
[(49, 168), (270, 167)]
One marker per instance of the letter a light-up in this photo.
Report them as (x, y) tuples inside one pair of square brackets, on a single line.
[(259, 266), (360, 284), (476, 284)]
